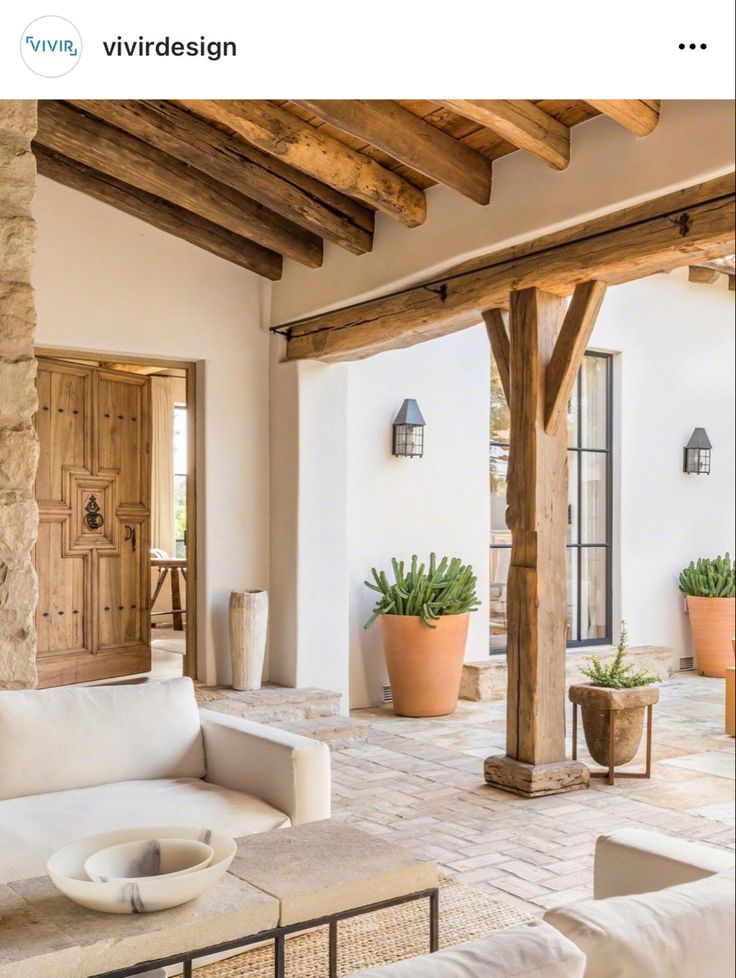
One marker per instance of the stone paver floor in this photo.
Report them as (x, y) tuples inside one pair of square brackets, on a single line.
[(420, 783)]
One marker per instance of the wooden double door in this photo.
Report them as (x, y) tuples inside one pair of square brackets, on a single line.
[(93, 492)]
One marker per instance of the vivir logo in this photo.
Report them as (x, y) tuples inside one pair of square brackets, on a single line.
[(51, 46)]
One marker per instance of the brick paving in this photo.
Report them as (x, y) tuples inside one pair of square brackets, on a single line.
[(420, 784)]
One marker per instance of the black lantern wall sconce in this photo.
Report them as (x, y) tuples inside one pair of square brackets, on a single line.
[(696, 454), (408, 441)]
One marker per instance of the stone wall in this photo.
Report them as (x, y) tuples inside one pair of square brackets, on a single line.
[(18, 443), (486, 680)]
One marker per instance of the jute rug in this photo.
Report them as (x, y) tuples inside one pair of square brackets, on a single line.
[(379, 938)]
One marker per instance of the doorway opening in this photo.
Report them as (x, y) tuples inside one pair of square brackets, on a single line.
[(131, 572)]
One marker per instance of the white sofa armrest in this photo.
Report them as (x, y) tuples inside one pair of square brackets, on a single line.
[(534, 949), (289, 772), (638, 861)]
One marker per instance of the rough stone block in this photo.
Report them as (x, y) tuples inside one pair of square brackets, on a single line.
[(533, 780), (18, 395), (18, 529), (362, 869), (17, 242), (18, 121), (486, 679), (18, 457)]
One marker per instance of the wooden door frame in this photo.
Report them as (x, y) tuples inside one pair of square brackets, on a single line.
[(190, 373)]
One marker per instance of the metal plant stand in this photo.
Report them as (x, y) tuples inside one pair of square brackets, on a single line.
[(278, 935), (611, 774)]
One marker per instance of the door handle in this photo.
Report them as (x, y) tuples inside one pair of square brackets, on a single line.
[(130, 535), (94, 518)]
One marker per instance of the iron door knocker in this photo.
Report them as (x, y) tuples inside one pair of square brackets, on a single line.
[(94, 518)]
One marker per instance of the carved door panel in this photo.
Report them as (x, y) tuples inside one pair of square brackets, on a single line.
[(92, 554)]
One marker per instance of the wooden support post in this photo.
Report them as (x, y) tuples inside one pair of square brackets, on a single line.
[(536, 596)]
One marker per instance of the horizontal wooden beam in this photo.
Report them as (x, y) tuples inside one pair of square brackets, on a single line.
[(677, 229), (569, 350), (74, 135), (403, 135), (159, 213), (702, 275), (239, 165), (637, 115), (496, 321), (283, 135), (520, 123)]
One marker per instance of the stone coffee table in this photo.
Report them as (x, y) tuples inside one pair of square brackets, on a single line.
[(280, 882)]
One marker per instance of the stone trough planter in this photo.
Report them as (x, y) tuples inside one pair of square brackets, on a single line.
[(614, 713)]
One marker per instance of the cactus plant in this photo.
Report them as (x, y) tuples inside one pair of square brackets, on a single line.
[(618, 674), (710, 578), (428, 591)]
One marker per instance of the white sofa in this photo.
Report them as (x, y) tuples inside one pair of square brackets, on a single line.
[(665, 909), (79, 760)]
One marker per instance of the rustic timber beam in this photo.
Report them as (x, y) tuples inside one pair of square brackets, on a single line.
[(521, 123), (637, 115), (702, 275), (680, 228), (283, 135), (536, 602), (242, 167), (159, 213), (498, 335), (569, 351), (68, 132), (412, 140)]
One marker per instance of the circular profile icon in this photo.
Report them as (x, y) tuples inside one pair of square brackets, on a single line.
[(51, 46)]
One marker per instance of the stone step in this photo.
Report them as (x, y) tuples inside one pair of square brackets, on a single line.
[(486, 680), (271, 703), (337, 732)]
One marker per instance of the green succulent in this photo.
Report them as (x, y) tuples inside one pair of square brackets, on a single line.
[(618, 674), (707, 578), (429, 591)]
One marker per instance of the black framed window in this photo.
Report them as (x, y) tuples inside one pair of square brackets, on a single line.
[(589, 424)]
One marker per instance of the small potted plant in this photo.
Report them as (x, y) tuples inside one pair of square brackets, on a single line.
[(618, 687), (711, 606), (424, 616)]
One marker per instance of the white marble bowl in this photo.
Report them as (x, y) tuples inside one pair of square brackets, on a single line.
[(131, 861), (66, 870)]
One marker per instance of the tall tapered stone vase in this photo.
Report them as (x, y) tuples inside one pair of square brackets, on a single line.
[(248, 630)]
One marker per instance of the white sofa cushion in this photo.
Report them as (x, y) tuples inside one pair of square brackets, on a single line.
[(32, 828), (532, 951), (639, 861), (682, 932), (74, 737)]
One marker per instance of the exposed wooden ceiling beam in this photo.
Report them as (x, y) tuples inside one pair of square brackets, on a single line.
[(496, 321), (239, 165), (107, 150), (701, 275), (407, 138), (707, 272), (160, 213), (568, 352), (637, 115), (521, 123), (659, 234), (283, 135)]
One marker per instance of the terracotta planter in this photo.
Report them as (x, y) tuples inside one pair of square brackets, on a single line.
[(424, 664), (712, 626), (596, 703)]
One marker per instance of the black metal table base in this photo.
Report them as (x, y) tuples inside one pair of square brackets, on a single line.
[(278, 936)]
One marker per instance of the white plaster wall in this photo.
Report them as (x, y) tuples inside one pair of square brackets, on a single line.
[(401, 506), (609, 169), (674, 371), (106, 282)]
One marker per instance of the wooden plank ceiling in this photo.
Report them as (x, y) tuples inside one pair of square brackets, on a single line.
[(257, 181)]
